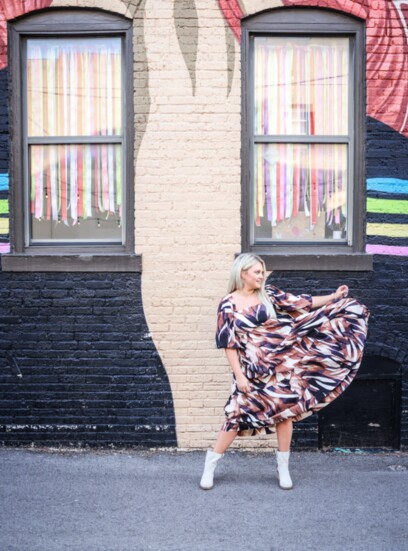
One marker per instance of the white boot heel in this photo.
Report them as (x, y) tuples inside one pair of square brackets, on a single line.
[(285, 482), (211, 460)]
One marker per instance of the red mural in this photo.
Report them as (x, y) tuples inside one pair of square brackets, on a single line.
[(387, 49), (9, 9), (233, 14)]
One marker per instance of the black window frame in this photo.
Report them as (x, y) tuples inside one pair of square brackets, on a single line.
[(300, 21), (87, 257)]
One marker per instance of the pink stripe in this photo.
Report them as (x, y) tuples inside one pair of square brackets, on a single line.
[(387, 249), (4, 248)]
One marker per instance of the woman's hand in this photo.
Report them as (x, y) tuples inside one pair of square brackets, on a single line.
[(243, 383), (341, 292)]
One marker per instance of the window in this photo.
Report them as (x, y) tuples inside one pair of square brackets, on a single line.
[(73, 89), (303, 155), (72, 141)]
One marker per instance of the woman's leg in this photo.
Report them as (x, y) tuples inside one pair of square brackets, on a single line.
[(284, 431), (224, 440)]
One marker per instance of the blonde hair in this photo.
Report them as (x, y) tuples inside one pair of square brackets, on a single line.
[(242, 263)]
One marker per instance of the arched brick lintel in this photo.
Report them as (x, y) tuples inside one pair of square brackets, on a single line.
[(391, 351)]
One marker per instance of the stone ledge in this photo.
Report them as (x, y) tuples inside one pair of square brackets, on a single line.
[(119, 262), (341, 262)]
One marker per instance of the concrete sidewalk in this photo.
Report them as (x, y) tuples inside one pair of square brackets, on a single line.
[(151, 500)]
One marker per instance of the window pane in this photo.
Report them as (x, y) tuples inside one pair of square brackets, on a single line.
[(301, 86), (300, 192), (74, 87), (76, 193)]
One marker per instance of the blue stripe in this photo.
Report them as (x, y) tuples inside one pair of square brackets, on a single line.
[(387, 185), (4, 182)]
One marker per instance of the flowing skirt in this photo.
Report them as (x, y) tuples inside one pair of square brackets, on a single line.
[(318, 361)]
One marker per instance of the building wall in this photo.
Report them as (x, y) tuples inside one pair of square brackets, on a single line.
[(90, 373), (188, 221), (194, 187)]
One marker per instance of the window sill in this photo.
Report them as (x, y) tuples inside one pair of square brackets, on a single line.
[(119, 262), (312, 261)]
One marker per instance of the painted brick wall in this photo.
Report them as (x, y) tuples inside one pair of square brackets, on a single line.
[(90, 371), (188, 207), (188, 223)]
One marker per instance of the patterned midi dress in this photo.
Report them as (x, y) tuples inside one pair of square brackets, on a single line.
[(296, 363)]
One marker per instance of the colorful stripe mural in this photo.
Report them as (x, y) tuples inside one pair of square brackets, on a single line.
[(388, 200), (4, 214)]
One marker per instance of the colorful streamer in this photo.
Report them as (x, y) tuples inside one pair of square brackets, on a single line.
[(291, 179), (66, 182), (301, 86), (74, 87)]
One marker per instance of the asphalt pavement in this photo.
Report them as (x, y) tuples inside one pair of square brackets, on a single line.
[(56, 500)]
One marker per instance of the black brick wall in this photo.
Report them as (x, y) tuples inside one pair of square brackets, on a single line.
[(90, 371), (4, 128), (386, 151)]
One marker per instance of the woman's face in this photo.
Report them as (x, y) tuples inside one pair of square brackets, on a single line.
[(253, 277)]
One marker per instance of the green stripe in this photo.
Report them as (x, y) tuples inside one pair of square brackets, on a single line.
[(389, 206), (4, 208)]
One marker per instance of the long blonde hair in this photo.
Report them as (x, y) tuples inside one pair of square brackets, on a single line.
[(242, 263)]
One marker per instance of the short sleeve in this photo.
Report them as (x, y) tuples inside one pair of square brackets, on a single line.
[(287, 301), (225, 334)]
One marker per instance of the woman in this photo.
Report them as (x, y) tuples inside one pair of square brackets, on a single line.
[(290, 356)]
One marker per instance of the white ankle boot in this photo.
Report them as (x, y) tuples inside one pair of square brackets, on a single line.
[(211, 460), (285, 482)]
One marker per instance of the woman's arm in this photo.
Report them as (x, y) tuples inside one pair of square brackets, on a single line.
[(242, 381), (341, 292)]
